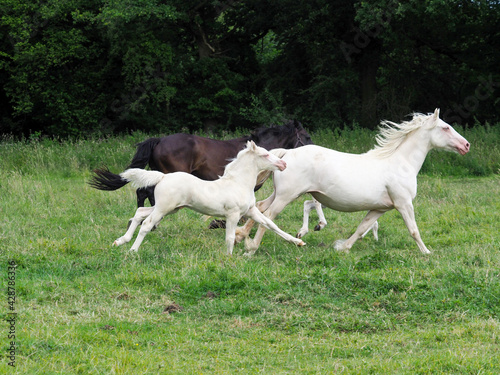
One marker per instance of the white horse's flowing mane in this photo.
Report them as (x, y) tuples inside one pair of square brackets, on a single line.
[(391, 134)]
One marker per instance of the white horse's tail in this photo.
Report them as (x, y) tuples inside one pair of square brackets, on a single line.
[(142, 178)]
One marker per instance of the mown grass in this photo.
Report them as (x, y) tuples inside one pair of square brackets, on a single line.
[(182, 306)]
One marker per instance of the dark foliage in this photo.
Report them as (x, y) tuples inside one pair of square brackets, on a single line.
[(70, 68)]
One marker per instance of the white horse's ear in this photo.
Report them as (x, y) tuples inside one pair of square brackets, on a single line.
[(436, 114)]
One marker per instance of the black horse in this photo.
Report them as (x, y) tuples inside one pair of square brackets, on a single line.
[(203, 157)]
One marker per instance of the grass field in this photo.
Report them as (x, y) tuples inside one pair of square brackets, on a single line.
[(183, 307)]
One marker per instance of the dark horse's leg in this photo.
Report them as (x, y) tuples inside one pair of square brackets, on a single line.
[(143, 193)]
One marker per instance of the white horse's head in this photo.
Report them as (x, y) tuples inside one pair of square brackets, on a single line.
[(266, 160), (443, 136)]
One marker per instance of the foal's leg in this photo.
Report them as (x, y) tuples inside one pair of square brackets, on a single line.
[(408, 214), (148, 224), (140, 214), (244, 231), (231, 224), (259, 217), (274, 209), (370, 218)]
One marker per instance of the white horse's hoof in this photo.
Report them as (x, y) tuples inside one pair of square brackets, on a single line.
[(340, 245), (301, 243), (319, 226)]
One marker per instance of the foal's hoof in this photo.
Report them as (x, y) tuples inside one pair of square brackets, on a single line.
[(301, 243), (301, 234)]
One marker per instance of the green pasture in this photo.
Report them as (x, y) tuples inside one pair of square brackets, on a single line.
[(181, 306)]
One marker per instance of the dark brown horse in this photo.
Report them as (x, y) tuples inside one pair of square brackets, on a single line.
[(203, 157)]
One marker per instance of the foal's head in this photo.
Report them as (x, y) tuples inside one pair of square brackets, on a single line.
[(263, 158)]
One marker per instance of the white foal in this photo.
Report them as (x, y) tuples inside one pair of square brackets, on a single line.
[(231, 196)]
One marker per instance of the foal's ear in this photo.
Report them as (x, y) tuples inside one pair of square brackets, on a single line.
[(436, 114), (251, 145)]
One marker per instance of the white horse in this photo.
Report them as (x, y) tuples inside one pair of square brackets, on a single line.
[(378, 181), (231, 196)]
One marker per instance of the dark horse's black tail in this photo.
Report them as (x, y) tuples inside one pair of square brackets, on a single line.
[(104, 179)]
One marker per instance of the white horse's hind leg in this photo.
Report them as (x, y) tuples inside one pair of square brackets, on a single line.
[(140, 214), (373, 228), (370, 218)]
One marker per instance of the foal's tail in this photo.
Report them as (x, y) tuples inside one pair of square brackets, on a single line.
[(103, 179), (142, 178), (264, 175)]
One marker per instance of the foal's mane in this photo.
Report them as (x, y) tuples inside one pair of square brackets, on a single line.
[(391, 135), (230, 167)]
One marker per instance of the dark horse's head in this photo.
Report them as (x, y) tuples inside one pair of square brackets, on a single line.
[(289, 135)]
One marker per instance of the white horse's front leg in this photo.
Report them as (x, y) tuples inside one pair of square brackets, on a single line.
[(322, 220), (370, 218), (140, 214), (408, 214), (244, 231), (308, 207)]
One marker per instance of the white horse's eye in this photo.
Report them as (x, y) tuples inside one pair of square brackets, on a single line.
[(446, 128)]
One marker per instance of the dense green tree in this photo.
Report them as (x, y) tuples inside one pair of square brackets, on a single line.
[(71, 67)]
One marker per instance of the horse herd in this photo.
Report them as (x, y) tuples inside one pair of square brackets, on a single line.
[(218, 178)]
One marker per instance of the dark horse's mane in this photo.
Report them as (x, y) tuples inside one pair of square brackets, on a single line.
[(261, 134)]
